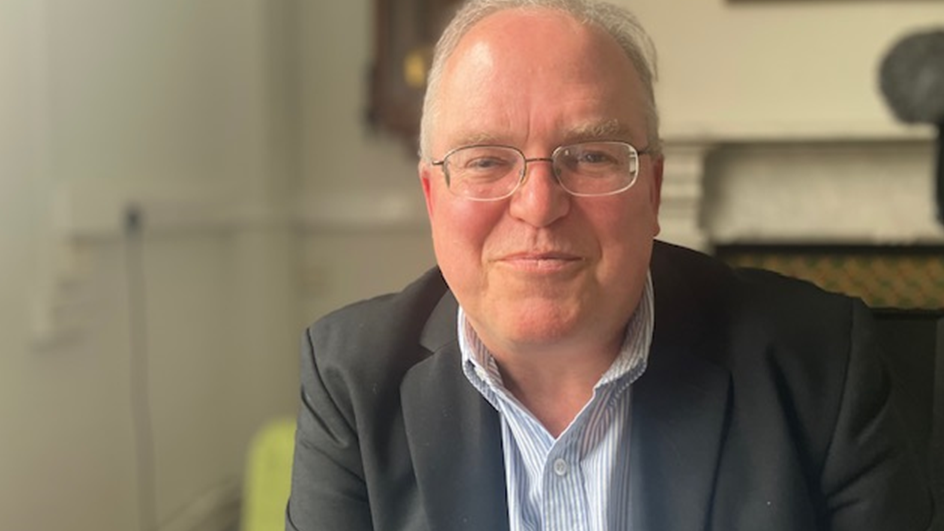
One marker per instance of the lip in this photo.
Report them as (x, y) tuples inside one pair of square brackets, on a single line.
[(547, 261)]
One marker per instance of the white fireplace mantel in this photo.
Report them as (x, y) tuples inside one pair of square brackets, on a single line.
[(858, 190)]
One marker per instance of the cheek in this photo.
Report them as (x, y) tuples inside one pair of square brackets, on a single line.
[(625, 230), (459, 238), (461, 229)]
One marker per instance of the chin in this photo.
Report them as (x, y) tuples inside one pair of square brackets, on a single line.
[(541, 323)]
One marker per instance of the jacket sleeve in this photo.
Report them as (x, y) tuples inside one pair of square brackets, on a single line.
[(870, 478), (328, 487)]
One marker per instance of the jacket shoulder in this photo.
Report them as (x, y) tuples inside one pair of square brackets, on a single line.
[(759, 297), (359, 334)]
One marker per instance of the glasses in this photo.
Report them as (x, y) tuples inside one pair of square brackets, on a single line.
[(586, 169)]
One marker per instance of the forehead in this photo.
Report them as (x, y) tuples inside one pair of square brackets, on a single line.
[(520, 72), (606, 128)]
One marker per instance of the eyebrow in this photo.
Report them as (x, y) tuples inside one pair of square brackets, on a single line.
[(608, 129), (611, 129), (479, 138)]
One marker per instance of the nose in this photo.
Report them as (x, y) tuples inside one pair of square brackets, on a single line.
[(540, 200)]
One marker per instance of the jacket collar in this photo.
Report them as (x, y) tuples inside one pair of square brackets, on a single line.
[(679, 416), (680, 405), (454, 435), (679, 412)]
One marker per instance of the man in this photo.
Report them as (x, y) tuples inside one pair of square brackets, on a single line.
[(560, 370)]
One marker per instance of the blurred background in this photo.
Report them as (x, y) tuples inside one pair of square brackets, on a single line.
[(186, 184)]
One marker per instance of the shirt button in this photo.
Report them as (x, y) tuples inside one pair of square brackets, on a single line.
[(560, 467)]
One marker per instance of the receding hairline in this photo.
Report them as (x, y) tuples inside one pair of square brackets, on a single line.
[(609, 20)]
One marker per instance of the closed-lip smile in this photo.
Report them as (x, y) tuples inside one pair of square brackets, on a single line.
[(549, 261)]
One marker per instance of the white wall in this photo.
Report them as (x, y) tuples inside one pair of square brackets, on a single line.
[(359, 198), (749, 68), (181, 108)]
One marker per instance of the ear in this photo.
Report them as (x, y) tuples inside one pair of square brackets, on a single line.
[(424, 171), (655, 191)]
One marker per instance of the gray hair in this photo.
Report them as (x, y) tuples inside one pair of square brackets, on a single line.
[(615, 21)]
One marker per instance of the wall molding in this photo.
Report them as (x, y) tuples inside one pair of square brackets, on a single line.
[(683, 194), (89, 212), (97, 209), (363, 211)]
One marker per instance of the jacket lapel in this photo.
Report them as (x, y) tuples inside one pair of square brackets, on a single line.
[(454, 435), (680, 404), (678, 420)]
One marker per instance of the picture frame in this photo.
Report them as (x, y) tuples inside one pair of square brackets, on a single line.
[(405, 34)]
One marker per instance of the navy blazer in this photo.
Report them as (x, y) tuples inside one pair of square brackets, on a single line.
[(764, 407)]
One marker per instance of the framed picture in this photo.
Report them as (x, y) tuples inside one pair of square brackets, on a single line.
[(404, 37)]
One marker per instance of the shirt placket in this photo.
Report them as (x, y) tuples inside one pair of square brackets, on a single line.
[(564, 503)]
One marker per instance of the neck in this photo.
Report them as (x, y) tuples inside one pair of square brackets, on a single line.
[(555, 385)]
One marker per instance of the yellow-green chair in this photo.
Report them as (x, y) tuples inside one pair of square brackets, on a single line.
[(268, 477)]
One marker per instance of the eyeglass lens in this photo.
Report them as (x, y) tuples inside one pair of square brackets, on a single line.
[(494, 172)]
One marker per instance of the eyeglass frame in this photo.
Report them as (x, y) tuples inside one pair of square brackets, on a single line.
[(524, 168)]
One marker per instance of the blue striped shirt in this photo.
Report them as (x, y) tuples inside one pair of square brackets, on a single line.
[(580, 480)]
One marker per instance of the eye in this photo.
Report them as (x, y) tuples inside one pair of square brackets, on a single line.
[(594, 158), (485, 163)]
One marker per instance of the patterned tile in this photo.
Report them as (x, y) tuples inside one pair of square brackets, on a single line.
[(893, 277)]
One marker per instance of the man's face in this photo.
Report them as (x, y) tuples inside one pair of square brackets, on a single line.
[(542, 268)]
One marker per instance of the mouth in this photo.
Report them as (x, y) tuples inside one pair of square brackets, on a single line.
[(550, 262)]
